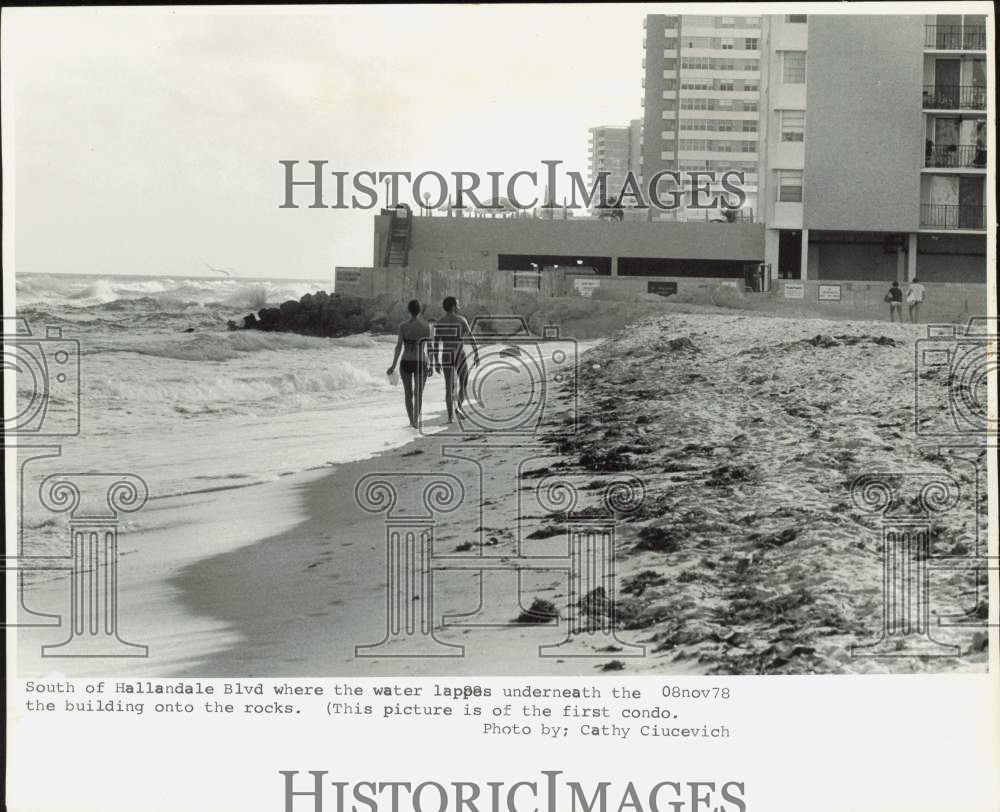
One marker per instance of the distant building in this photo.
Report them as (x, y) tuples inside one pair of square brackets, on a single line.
[(701, 97), (610, 151)]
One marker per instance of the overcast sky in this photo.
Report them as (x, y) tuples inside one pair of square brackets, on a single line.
[(148, 140)]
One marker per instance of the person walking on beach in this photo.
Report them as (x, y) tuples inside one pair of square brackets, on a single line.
[(914, 298), (451, 332), (414, 368), (895, 299)]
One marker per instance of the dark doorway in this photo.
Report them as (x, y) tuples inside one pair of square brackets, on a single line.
[(789, 255)]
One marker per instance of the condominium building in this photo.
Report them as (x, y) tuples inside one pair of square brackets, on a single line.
[(610, 151), (701, 96), (874, 147)]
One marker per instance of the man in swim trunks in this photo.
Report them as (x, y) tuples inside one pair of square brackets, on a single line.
[(451, 332)]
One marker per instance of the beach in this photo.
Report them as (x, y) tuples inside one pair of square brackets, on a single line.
[(747, 552)]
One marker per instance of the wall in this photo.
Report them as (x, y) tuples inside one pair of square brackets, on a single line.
[(864, 131), (462, 242), (865, 300)]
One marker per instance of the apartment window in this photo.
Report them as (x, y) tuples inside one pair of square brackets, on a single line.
[(669, 126), (669, 105), (750, 44), (723, 126), (728, 44), (724, 104), (670, 44), (752, 87), (790, 185), (749, 126), (693, 124), (793, 125), (749, 107), (795, 18), (695, 63), (669, 84), (728, 86), (669, 66), (793, 67), (727, 22)]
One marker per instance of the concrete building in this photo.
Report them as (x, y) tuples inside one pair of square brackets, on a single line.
[(874, 147), (610, 151), (701, 96)]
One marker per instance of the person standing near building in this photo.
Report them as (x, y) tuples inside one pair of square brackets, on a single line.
[(414, 336), (914, 298), (895, 299)]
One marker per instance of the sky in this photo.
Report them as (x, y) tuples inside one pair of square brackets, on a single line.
[(147, 140)]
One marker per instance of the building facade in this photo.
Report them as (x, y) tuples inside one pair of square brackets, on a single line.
[(701, 98), (874, 147)]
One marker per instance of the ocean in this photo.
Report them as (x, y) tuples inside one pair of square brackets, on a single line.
[(170, 394)]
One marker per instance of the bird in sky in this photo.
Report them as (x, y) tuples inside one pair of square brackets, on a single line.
[(219, 270)]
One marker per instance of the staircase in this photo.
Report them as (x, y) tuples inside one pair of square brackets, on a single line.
[(397, 247)]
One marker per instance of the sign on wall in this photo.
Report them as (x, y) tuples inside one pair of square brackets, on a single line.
[(662, 288), (528, 280), (794, 290), (829, 293), (586, 286), (345, 280)]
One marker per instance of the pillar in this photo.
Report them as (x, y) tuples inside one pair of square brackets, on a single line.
[(614, 266), (94, 502), (409, 543), (906, 550), (771, 243), (804, 256), (911, 257)]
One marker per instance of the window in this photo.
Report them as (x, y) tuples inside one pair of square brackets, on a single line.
[(670, 44), (728, 44), (669, 84), (751, 87), (795, 18), (793, 125), (750, 44), (669, 126), (726, 86), (692, 145), (724, 104), (749, 126), (793, 67), (749, 107), (790, 185), (669, 66)]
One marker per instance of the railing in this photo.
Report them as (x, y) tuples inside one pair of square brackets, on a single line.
[(954, 97), (955, 37), (941, 215), (956, 156)]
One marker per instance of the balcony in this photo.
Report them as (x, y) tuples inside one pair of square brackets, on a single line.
[(956, 156), (955, 38), (939, 215), (954, 97)]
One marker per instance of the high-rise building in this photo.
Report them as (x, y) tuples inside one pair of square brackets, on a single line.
[(610, 151), (874, 147), (702, 97)]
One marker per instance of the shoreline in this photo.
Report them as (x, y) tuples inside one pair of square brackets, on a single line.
[(745, 559)]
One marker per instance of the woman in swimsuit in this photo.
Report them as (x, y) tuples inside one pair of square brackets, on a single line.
[(414, 368)]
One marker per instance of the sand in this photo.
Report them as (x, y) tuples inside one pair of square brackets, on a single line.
[(746, 556)]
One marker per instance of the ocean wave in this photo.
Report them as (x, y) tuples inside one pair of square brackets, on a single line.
[(243, 393)]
